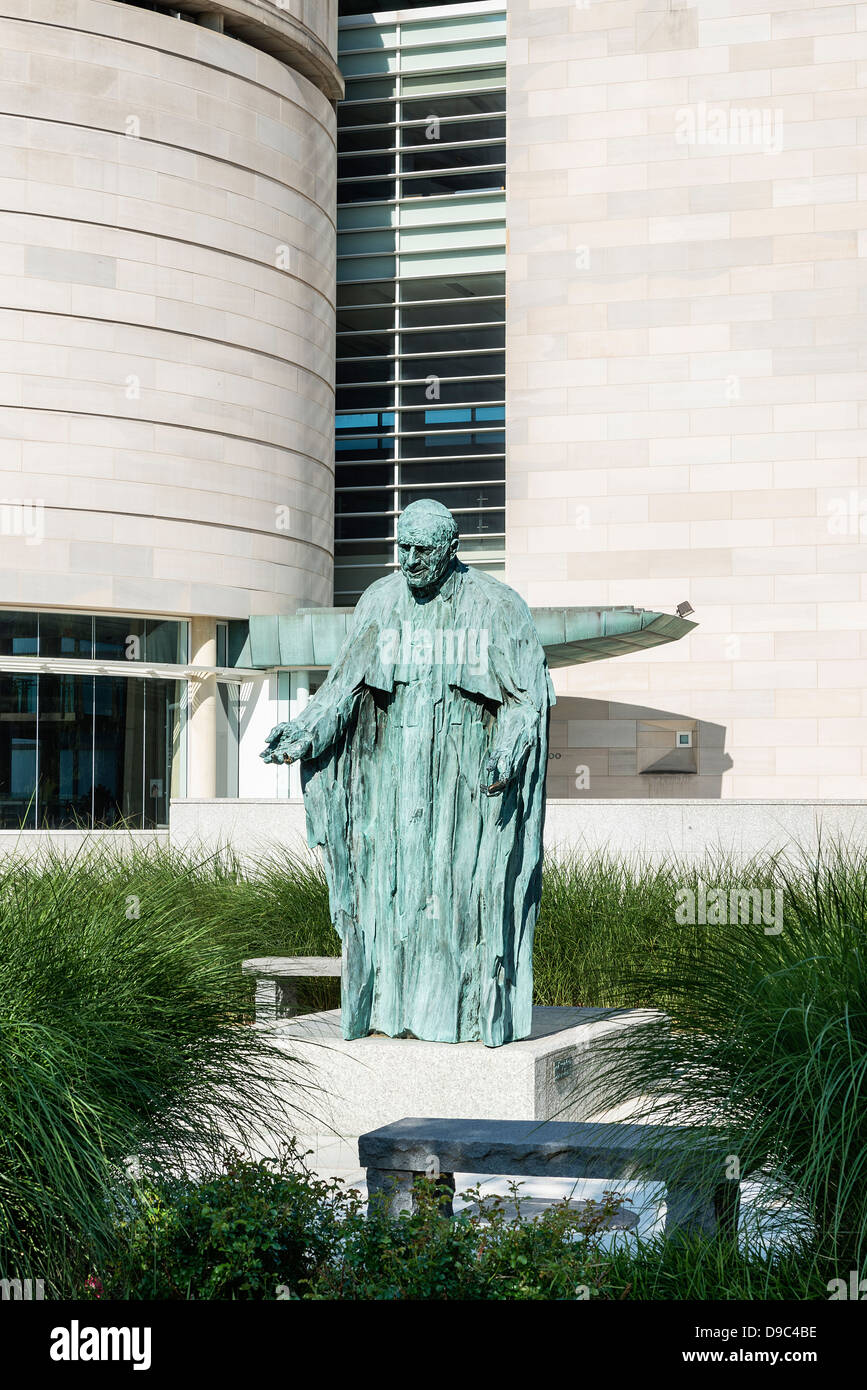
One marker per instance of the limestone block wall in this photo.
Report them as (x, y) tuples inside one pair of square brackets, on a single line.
[(683, 832), (686, 388), (167, 255)]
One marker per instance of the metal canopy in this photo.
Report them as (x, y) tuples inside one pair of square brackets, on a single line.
[(571, 636), (312, 637)]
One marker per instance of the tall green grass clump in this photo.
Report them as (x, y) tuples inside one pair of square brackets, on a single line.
[(599, 921), (122, 1024), (765, 1040), (277, 907)]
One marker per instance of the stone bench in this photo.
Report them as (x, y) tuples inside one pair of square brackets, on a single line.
[(689, 1161), (277, 993)]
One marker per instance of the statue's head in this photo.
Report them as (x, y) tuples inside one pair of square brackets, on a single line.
[(427, 542)]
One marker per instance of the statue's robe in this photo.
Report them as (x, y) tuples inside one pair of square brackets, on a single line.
[(434, 885)]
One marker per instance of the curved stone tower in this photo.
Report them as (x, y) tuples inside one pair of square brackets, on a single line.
[(167, 281)]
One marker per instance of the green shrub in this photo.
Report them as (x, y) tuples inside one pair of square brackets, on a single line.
[(246, 1232), (261, 1232), (481, 1254)]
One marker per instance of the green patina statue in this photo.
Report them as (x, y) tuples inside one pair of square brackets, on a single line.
[(423, 758)]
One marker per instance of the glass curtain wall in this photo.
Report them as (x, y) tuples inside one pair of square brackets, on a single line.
[(89, 751), (421, 284)]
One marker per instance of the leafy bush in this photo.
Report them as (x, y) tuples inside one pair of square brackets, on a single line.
[(483, 1254), (246, 1232), (255, 1232)]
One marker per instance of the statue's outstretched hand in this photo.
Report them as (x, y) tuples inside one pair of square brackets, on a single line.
[(285, 745), (498, 772)]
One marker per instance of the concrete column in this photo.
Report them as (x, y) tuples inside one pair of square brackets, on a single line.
[(202, 744), (299, 695)]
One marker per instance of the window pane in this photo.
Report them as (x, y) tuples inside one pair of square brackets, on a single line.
[(118, 749), (364, 475), (447, 82), (451, 417), (365, 345), (466, 104), (457, 286), (166, 642), (368, 191), (65, 634), (366, 166), (17, 752), (370, 241), (358, 422), (365, 36), (463, 157), (427, 474), (475, 541), (467, 56), (364, 217), (18, 634), (227, 739), (364, 448), (456, 339), (367, 552), (432, 133), (365, 113), (456, 498), (441, 184), (448, 445), (375, 292), (375, 138), (358, 572), (374, 89), (359, 64), (365, 528), (163, 701), (366, 501), (452, 311), (361, 320), (119, 639), (65, 751), (364, 397), (455, 391), (360, 371), (485, 364)]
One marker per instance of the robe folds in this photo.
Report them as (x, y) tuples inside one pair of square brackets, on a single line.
[(434, 885)]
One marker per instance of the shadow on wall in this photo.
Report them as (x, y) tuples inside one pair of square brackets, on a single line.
[(599, 748)]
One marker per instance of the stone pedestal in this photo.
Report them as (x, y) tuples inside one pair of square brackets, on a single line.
[(373, 1081)]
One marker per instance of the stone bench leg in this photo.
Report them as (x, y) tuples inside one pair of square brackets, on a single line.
[(697, 1211), (276, 999), (394, 1187)]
